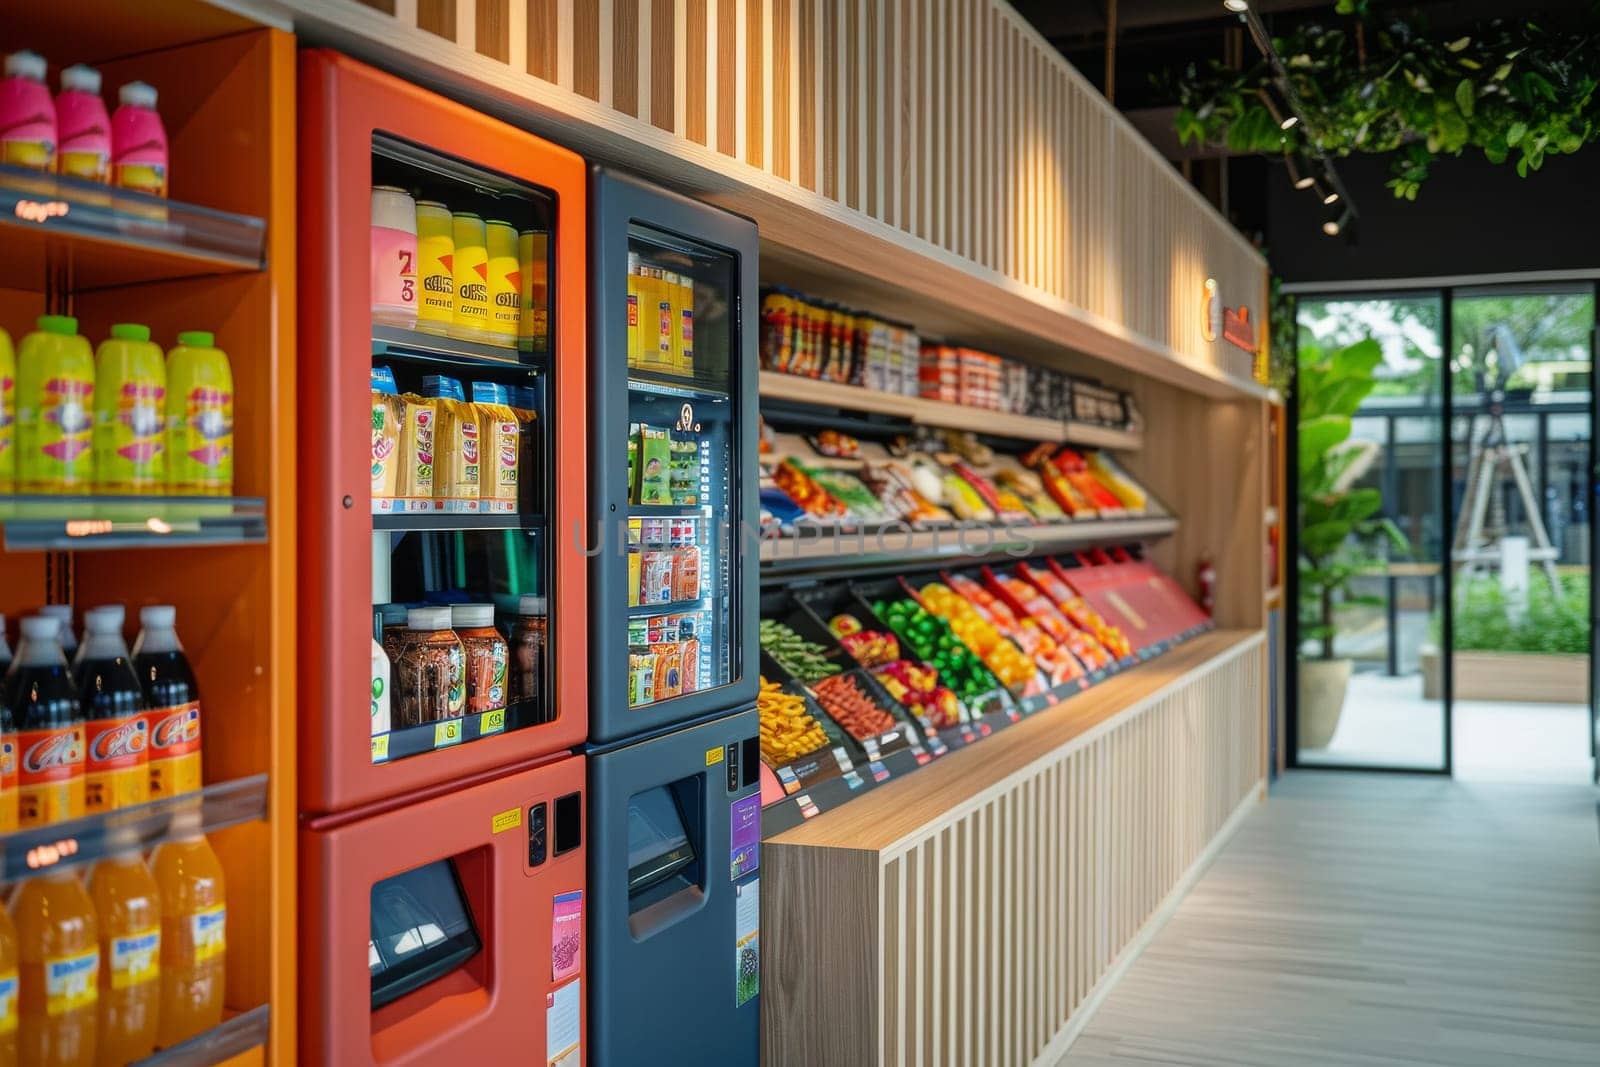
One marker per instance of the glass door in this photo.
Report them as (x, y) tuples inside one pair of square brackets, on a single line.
[(1371, 671), (673, 380), (682, 426)]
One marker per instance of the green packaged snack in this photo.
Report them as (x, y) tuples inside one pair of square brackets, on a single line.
[(655, 459), (633, 462)]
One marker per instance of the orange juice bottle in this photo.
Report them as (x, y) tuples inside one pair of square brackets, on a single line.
[(58, 964), (128, 907), (193, 933), (8, 989)]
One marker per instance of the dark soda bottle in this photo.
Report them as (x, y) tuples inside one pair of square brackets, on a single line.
[(50, 745), (173, 700), (117, 771)]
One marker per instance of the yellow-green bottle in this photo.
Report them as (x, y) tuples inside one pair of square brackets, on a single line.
[(199, 417), (8, 415), (55, 405), (130, 413)]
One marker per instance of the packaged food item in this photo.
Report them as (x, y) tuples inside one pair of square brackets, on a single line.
[(690, 645), (685, 560), (419, 424), (1076, 470), (58, 963), (669, 669), (641, 678), (805, 492), (194, 940), (500, 442), (173, 699), (533, 264), (27, 116), (8, 415), (470, 267), (117, 727), (430, 680), (1028, 488), (130, 399), (138, 142), (394, 257), (504, 277), (459, 471), (83, 126), (199, 417), (127, 904), (388, 418), (529, 647), (381, 683), (436, 246), (656, 581), (635, 303), (861, 503), (50, 729), (9, 990), (1128, 492), (55, 405), (524, 402), (664, 320), (684, 472), (1061, 490), (486, 655), (635, 563), (392, 620), (654, 484), (684, 342), (870, 648)]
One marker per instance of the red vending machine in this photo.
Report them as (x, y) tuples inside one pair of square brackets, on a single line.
[(441, 419)]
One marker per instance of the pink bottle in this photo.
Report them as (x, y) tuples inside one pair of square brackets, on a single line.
[(138, 142), (27, 116), (83, 125)]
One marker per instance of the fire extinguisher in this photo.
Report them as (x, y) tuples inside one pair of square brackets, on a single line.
[(1206, 578)]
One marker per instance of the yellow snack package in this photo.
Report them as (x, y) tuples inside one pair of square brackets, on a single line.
[(419, 426), (501, 437)]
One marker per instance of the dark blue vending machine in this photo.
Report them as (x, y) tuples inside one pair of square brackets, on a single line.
[(674, 769)]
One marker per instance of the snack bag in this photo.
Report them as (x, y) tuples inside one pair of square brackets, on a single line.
[(419, 425), (460, 464), (654, 474), (388, 417)]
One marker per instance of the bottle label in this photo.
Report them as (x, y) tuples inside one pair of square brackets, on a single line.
[(175, 750), (394, 269), (140, 177), (30, 142), (131, 438), (435, 256), (8, 782), (70, 982), (505, 297), (472, 287), (65, 434), (8, 1003), (8, 418), (209, 928), (136, 959), (90, 163), (205, 431), (117, 772), (50, 775)]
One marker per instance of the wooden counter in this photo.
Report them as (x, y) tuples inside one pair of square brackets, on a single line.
[(975, 911)]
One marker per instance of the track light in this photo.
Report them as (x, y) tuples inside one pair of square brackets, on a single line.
[(1238, 7), (1336, 224), (1299, 171), (1332, 197), (1289, 123), (1304, 181)]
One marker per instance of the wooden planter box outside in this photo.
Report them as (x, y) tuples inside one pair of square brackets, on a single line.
[(1510, 677)]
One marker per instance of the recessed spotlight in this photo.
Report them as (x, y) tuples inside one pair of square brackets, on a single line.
[(1236, 6), (1289, 123)]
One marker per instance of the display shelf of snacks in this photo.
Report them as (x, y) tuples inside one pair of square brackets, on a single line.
[(110, 236), (82, 523), (87, 840)]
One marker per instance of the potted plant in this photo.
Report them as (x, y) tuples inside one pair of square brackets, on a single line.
[(1338, 523)]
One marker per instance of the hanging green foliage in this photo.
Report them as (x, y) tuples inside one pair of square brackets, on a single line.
[(1513, 89)]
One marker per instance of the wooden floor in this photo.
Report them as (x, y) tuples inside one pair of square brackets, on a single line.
[(1377, 919)]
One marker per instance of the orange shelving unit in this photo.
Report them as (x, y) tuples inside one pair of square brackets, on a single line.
[(219, 255)]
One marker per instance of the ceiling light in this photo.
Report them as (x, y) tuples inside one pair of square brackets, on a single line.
[(1289, 123), (1331, 198), (1236, 6), (1332, 227), (1305, 181), (1300, 175), (1339, 223)]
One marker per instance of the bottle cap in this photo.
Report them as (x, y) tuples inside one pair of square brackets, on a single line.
[(25, 64), (531, 605), (62, 613), (130, 331), (41, 628), (158, 617), (472, 615), (116, 610), (137, 94), (196, 338), (428, 619), (107, 620), (62, 324), (81, 79), (393, 614)]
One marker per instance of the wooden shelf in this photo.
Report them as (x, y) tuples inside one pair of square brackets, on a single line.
[(816, 392), (880, 818)]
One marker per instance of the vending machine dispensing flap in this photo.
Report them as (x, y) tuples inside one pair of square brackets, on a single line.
[(422, 929), (658, 845)]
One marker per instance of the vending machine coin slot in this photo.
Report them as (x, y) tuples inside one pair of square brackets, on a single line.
[(733, 766), (537, 834)]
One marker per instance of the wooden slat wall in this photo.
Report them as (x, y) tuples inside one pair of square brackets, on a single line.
[(984, 937), (951, 121)]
